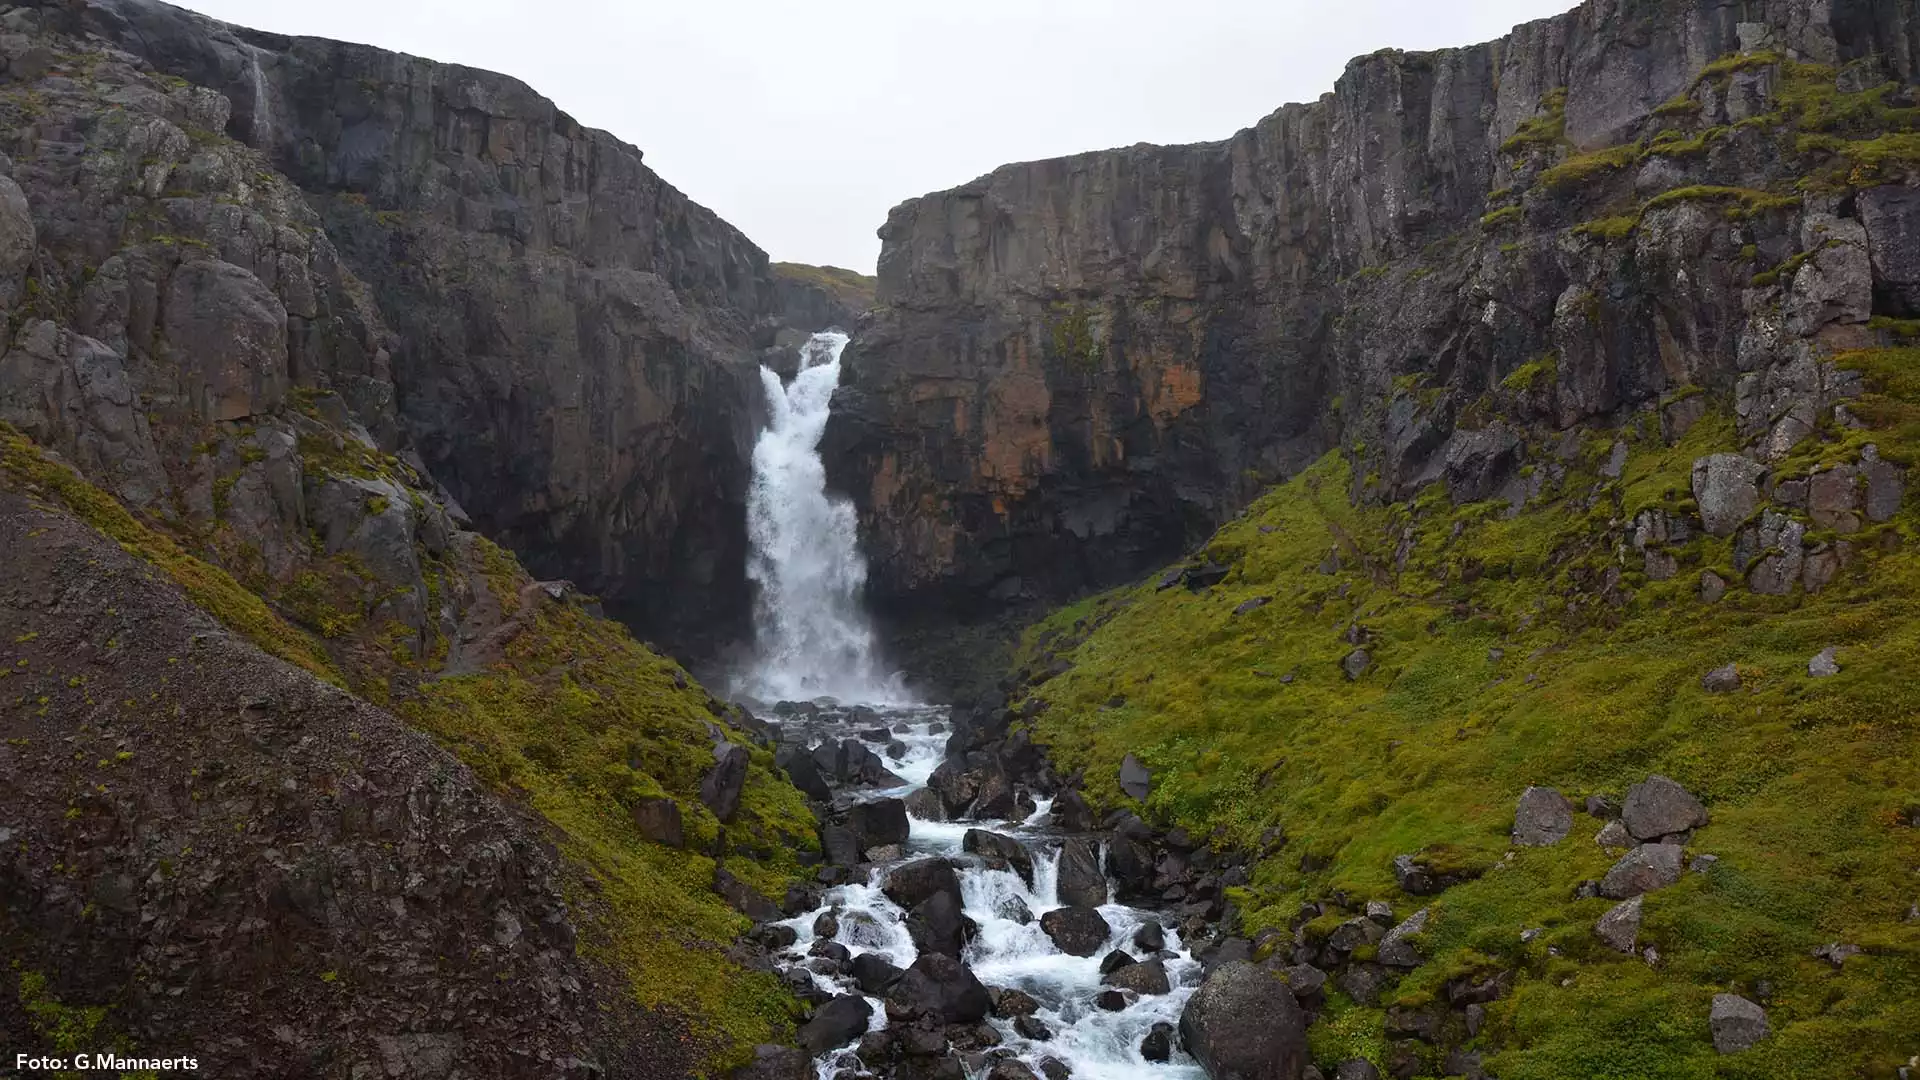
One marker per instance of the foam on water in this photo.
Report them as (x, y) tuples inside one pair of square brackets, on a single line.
[(1097, 1044)]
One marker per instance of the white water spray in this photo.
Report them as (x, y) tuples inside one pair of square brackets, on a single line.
[(812, 639)]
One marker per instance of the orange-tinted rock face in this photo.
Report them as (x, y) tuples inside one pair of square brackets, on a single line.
[(1078, 367)]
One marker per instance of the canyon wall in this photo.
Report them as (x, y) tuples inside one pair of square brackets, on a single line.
[(1079, 367), (571, 343)]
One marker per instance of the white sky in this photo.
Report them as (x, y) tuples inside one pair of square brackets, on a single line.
[(803, 121)]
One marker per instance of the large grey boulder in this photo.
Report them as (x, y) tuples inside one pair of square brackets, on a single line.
[(1000, 848), (1737, 1024), (1642, 870), (724, 784), (1244, 1024), (1135, 780), (1658, 807), (1146, 978), (1542, 819), (1727, 488)]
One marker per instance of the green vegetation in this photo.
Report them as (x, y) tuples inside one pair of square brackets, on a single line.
[(1073, 340), (1544, 131), (1502, 658), (208, 586), (1502, 216), (1533, 373), (847, 286), (580, 721), (1581, 168), (70, 1029)]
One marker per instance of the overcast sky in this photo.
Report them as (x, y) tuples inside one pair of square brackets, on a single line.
[(802, 123)]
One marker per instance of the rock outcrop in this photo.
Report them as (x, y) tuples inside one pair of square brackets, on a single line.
[(569, 343), (1078, 367)]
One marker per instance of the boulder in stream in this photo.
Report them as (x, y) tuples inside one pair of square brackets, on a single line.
[(1075, 930), (1244, 1024), (874, 973), (880, 822), (1007, 850), (1079, 879), (1146, 978), (916, 882), (837, 1023), (937, 925), (939, 988)]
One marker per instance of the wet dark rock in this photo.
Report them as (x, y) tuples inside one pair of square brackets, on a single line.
[(1012, 1002), (1030, 1027), (925, 804), (841, 845), (1110, 1000), (801, 769), (1005, 849), (1055, 1069), (874, 973), (838, 1023), (1114, 961), (1076, 931), (1356, 1069), (775, 935), (1080, 881), (1659, 807), (939, 988), (1070, 812), (1243, 1023), (937, 925), (1542, 819), (1151, 937), (1144, 978), (828, 949), (880, 822), (1157, 1045), (916, 882)]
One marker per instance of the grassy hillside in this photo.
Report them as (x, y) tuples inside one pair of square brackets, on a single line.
[(1518, 649), (559, 710)]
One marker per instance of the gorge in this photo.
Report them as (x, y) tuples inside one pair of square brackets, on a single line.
[(1425, 586)]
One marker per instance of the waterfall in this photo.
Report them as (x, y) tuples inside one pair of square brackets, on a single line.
[(262, 108), (811, 637)]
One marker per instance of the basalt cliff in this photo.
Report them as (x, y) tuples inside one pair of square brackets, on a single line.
[(1079, 367)]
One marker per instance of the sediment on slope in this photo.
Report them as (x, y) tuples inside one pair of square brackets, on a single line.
[(1079, 367)]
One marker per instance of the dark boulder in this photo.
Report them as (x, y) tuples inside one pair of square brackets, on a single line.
[(916, 882), (882, 821), (724, 783), (937, 925), (1157, 1046), (1642, 870), (1005, 849), (1114, 961), (874, 973), (840, 845), (659, 821), (1244, 1024), (1070, 812), (940, 988), (838, 1023), (1079, 878), (925, 804), (1659, 807), (1076, 931), (804, 773), (1542, 819), (1151, 937), (1135, 781), (777, 1063), (1148, 977)]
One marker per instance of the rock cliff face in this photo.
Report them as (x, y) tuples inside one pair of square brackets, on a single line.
[(1078, 367), (570, 342)]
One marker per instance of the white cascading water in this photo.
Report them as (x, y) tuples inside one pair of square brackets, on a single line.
[(812, 638), (1008, 952)]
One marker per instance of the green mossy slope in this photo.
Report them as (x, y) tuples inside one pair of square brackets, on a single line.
[(1513, 649), (568, 715)]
